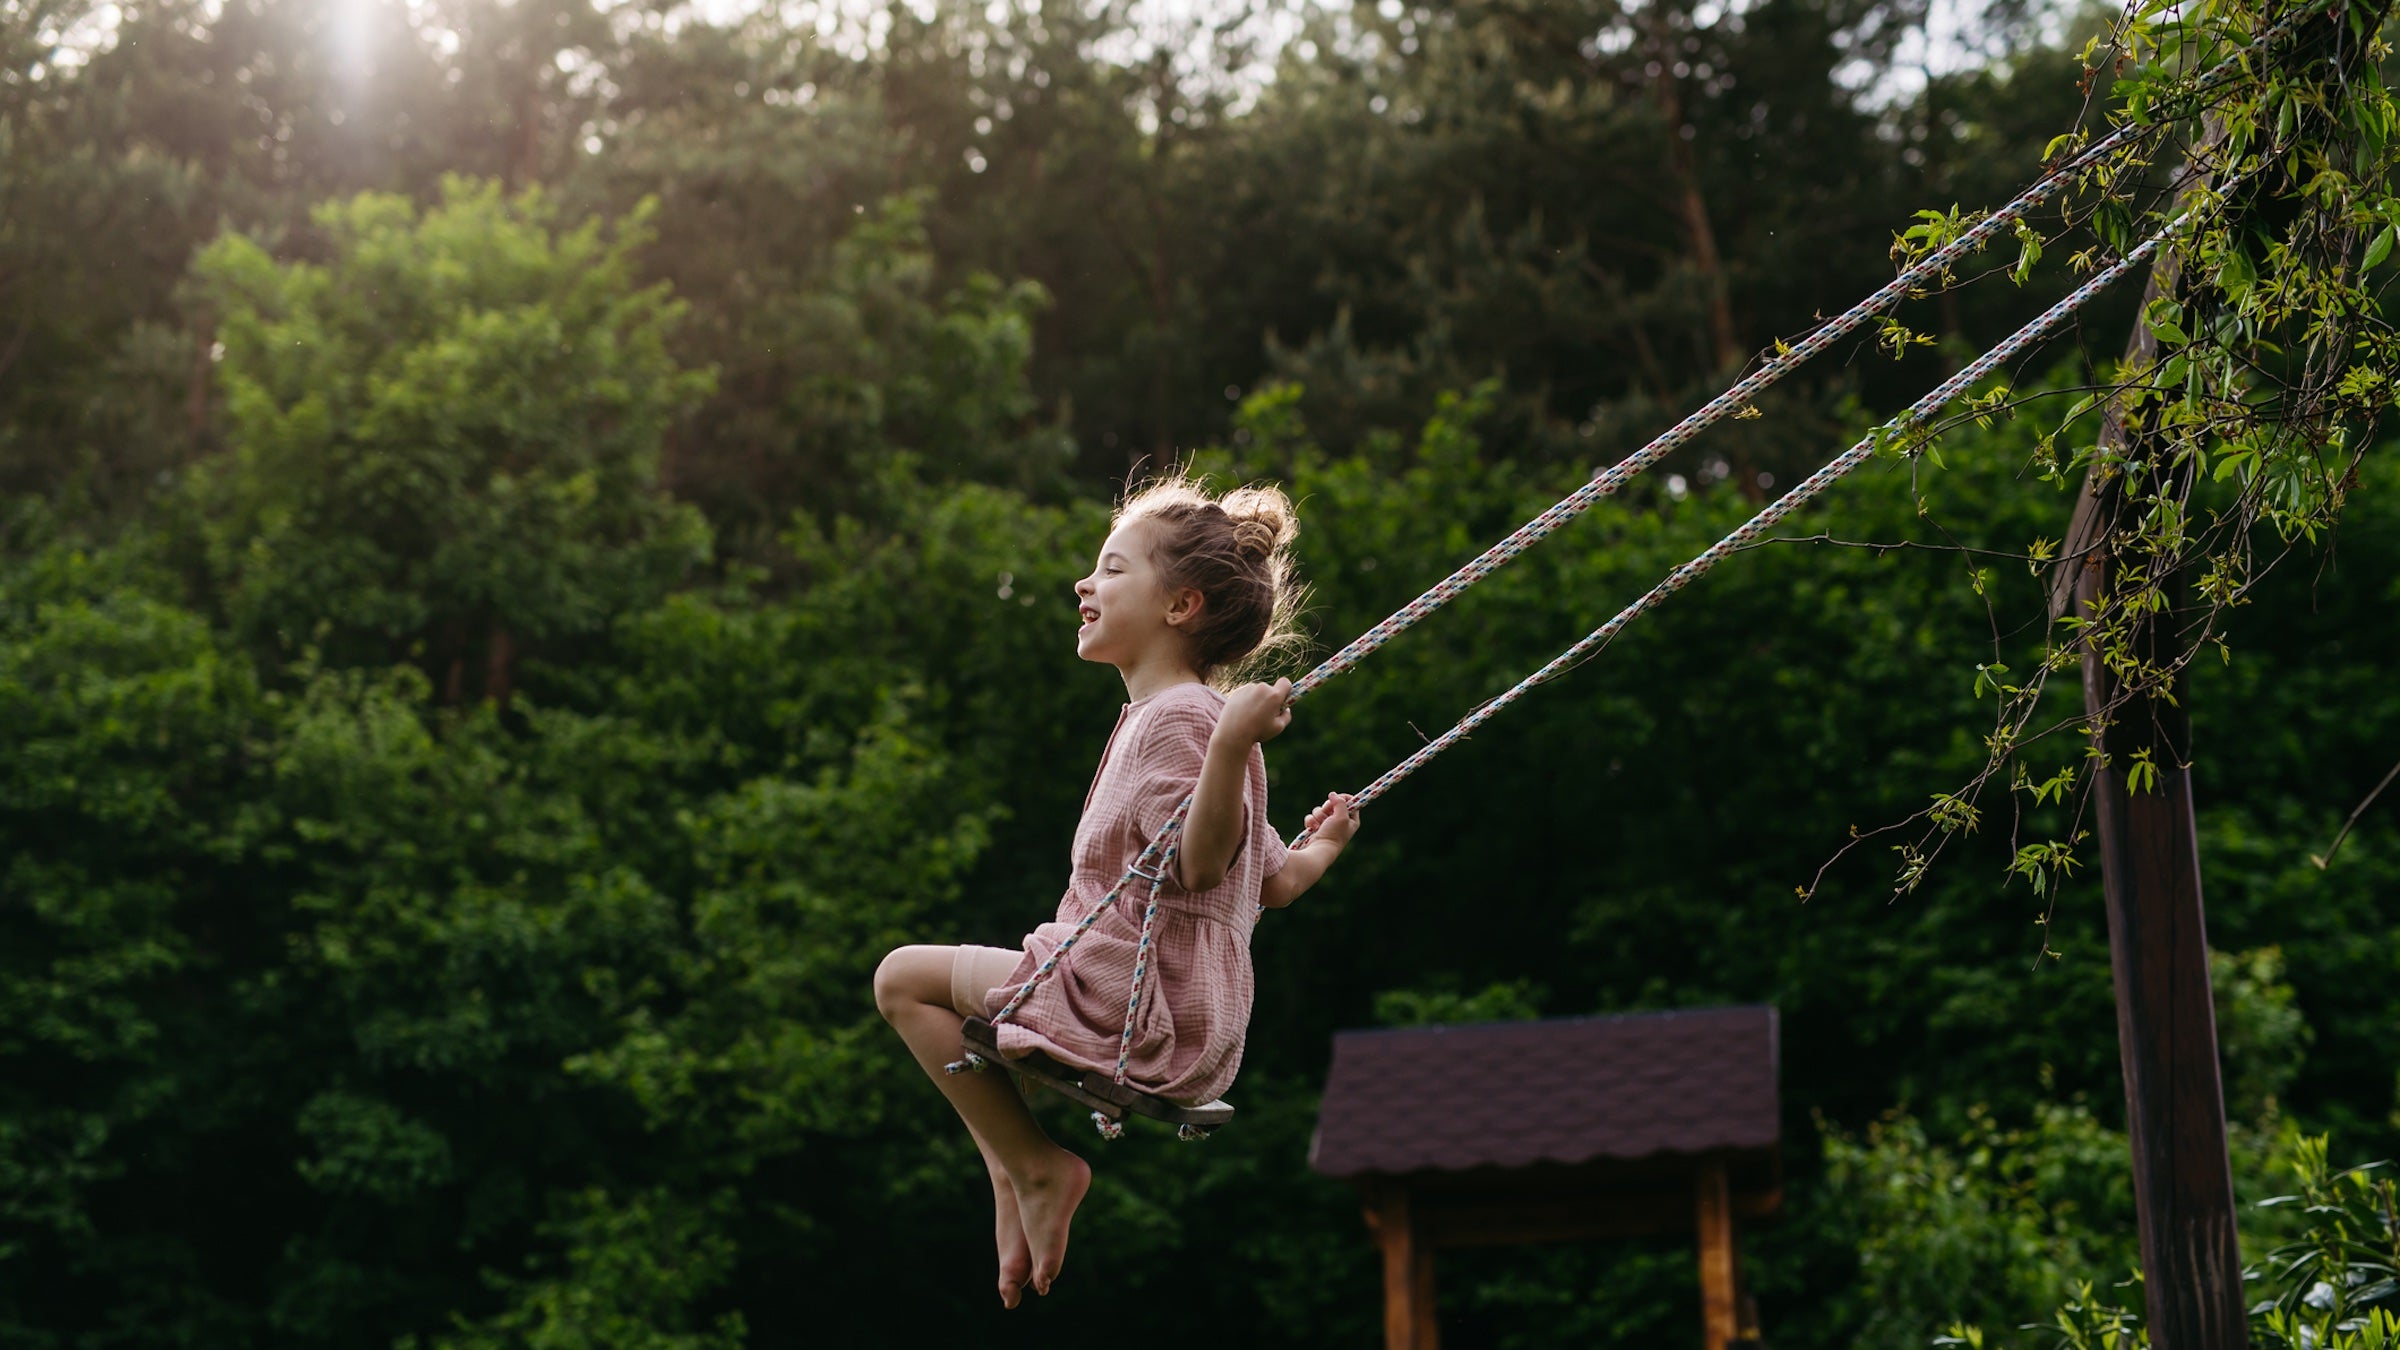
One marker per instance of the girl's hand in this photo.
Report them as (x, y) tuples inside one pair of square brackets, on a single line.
[(1256, 712), (1334, 822)]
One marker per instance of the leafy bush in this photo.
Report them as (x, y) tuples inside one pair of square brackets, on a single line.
[(2334, 1286)]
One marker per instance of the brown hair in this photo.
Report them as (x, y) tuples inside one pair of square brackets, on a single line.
[(1234, 550)]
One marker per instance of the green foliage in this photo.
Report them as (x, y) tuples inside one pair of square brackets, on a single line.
[(445, 439), (1987, 1232), (2261, 1035), (2338, 1283), (551, 1021), (839, 343), (131, 137), (630, 1274), (1990, 1227), (457, 1020), (1508, 1001), (2335, 1285)]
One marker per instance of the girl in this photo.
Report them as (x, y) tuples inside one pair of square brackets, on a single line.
[(1185, 589)]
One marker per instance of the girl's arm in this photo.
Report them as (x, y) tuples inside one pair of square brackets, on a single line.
[(1213, 830), (1330, 826)]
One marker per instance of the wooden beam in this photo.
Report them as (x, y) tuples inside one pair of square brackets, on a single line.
[(1495, 1223), (1719, 1316), (1472, 1220), (1409, 1322)]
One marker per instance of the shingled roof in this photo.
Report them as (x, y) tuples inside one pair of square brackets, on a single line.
[(1567, 1091)]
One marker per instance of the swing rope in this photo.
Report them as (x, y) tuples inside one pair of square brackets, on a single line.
[(1158, 857), (1776, 367), (1756, 527)]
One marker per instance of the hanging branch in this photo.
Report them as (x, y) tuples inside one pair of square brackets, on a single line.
[(2322, 859), (2261, 365)]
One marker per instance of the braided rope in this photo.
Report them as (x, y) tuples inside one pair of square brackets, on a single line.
[(1737, 397), (1171, 832), (1142, 867), (1751, 530)]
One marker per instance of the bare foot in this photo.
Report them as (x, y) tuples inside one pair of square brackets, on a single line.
[(1008, 1233), (1046, 1201)]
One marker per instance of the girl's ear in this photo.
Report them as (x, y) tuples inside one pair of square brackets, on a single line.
[(1184, 605)]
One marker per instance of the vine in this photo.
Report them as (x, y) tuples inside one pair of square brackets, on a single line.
[(2229, 436)]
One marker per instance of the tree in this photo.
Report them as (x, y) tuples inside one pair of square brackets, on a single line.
[(444, 441)]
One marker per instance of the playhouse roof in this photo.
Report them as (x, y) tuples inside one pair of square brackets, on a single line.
[(1567, 1091)]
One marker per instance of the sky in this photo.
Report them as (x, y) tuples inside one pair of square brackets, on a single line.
[(1946, 42)]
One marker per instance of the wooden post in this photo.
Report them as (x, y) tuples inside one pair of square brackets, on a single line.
[(2157, 939), (2166, 1022), (1408, 1311), (1718, 1320)]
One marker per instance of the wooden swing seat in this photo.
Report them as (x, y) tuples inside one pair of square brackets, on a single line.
[(1094, 1089)]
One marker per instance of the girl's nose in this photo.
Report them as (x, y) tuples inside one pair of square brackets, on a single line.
[(1083, 588)]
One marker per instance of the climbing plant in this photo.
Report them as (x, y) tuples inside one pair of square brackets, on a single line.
[(2226, 440)]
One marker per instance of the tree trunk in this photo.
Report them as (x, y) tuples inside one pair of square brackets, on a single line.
[(1162, 320), (195, 393), (1700, 235), (500, 656), (525, 141)]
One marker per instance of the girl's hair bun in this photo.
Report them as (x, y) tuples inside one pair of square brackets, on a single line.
[(1253, 540), (1263, 520)]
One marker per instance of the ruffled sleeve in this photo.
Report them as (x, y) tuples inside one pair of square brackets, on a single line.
[(1271, 851)]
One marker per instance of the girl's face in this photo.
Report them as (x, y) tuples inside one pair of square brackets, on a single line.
[(1129, 618)]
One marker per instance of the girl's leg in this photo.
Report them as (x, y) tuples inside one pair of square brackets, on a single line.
[(912, 989), (989, 967), (1008, 1230)]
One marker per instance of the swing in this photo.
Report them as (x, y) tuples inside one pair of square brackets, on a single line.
[(1111, 1098), (1108, 1100)]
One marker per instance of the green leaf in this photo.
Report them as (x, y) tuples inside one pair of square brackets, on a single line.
[(2377, 250), (2235, 275)]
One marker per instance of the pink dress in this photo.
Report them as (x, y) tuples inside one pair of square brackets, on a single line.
[(1195, 1009)]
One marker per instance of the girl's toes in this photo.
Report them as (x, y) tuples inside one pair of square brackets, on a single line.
[(1015, 1268), (1016, 1259)]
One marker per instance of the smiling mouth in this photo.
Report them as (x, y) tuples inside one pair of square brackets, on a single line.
[(1090, 616)]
